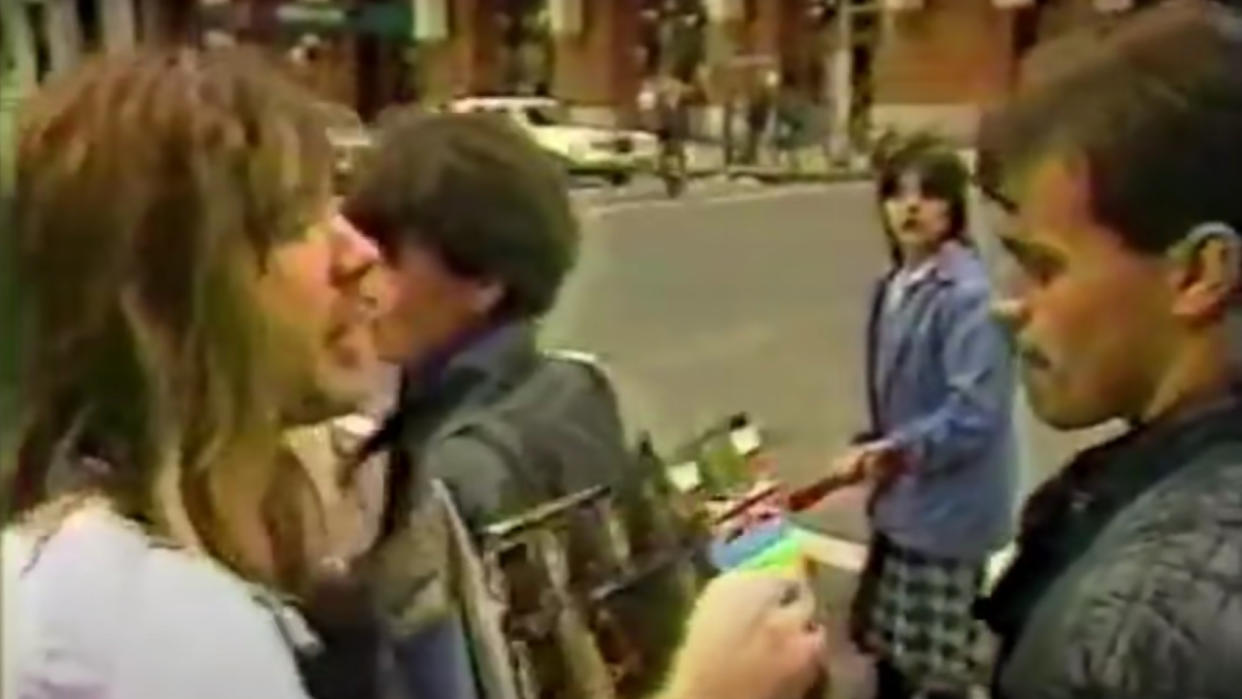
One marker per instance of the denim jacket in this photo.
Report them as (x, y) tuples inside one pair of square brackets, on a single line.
[(940, 387)]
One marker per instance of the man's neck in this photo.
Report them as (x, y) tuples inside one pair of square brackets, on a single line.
[(1204, 372), (427, 368)]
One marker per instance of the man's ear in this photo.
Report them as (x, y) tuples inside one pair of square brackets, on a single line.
[(1208, 271), (486, 296)]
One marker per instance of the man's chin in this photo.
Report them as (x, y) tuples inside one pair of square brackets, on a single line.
[(1061, 413)]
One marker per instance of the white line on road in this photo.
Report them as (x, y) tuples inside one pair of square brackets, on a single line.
[(603, 210)]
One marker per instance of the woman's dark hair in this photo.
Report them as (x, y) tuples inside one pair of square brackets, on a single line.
[(1151, 109), (940, 172), (478, 193)]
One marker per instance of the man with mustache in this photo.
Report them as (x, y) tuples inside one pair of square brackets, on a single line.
[(1120, 175)]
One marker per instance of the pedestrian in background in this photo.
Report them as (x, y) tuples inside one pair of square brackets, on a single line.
[(939, 454), (759, 117)]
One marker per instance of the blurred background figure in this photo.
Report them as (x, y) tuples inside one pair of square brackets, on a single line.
[(759, 110)]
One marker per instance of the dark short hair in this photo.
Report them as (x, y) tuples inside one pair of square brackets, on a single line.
[(941, 173), (1152, 108), (476, 192)]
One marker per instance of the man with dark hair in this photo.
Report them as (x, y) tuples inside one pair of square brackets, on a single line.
[(1121, 178), (478, 234)]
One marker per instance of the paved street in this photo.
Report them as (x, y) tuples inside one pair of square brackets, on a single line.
[(737, 297), (741, 297)]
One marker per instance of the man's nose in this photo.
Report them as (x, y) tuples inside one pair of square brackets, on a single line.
[(357, 267), (353, 253)]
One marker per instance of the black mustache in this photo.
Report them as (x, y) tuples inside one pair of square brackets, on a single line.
[(1033, 357)]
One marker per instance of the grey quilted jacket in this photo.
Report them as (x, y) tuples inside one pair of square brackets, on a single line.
[(1128, 581)]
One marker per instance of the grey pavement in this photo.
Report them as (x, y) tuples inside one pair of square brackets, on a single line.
[(745, 297)]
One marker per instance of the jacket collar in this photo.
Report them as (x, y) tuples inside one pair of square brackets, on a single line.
[(478, 365), (1112, 474), (952, 262), (1064, 516)]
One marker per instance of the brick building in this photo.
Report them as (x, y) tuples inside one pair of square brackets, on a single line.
[(936, 63), (857, 65), (43, 38)]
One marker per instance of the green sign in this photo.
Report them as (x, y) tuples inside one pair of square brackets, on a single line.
[(393, 20), (311, 15)]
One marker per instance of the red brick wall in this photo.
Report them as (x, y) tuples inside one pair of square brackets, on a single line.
[(1062, 15), (947, 53), (763, 32), (599, 66), (465, 63)]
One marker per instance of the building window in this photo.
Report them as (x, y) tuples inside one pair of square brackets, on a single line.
[(91, 24), (35, 17)]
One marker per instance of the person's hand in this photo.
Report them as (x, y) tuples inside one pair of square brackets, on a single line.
[(752, 636), (872, 461)]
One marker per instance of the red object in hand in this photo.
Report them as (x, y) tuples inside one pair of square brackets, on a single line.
[(804, 498)]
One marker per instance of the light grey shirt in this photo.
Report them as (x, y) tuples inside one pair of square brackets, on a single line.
[(101, 611)]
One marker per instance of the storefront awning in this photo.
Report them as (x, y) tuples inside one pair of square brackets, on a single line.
[(391, 20)]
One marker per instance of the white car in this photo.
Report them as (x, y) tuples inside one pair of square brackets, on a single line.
[(615, 154)]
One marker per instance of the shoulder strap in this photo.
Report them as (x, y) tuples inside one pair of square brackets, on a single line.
[(492, 425)]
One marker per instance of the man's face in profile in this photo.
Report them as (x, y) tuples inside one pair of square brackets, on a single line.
[(1092, 318)]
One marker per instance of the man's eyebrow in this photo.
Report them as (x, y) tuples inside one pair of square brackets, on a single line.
[(1028, 249)]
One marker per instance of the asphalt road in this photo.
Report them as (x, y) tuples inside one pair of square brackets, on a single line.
[(744, 297), (734, 298), (740, 297)]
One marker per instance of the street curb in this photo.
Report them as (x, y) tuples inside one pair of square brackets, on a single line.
[(778, 176), (770, 176)]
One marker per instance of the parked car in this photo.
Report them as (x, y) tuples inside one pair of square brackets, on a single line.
[(615, 154)]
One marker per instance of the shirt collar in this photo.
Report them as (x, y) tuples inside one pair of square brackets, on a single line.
[(489, 356)]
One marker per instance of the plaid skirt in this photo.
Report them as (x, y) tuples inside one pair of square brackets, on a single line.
[(916, 612)]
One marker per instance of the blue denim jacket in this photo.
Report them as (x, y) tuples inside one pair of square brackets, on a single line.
[(940, 386)]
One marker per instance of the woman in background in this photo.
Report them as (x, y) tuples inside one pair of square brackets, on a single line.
[(939, 453)]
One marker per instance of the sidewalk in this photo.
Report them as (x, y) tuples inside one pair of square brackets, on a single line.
[(809, 164)]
